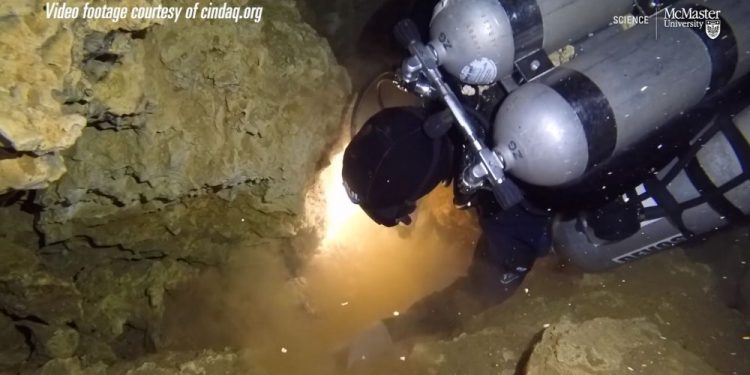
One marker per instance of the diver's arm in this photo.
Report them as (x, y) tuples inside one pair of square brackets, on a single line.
[(511, 241)]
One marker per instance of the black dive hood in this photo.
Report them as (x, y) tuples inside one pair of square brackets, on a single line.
[(391, 163)]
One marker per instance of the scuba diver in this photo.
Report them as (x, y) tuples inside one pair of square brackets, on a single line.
[(607, 158), (389, 165)]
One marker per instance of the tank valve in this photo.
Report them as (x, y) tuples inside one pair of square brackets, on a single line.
[(422, 66)]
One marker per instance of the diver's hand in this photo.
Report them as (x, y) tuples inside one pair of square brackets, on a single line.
[(374, 342)]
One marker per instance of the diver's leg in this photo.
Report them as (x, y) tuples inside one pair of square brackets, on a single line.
[(515, 238)]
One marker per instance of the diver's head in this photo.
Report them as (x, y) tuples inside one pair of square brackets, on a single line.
[(391, 163)]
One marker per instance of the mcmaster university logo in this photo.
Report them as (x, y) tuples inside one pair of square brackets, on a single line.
[(713, 28), (695, 18)]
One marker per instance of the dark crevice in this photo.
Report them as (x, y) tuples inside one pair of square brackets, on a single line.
[(90, 241), (6, 143), (8, 152), (76, 101), (129, 171), (11, 198), (78, 274), (142, 258), (117, 202), (108, 126), (28, 334), (253, 182), (134, 255), (28, 205), (194, 262), (139, 34), (107, 57), (28, 338), (27, 318), (109, 121), (524, 360)]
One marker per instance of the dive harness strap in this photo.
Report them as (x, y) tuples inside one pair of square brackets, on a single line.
[(713, 195)]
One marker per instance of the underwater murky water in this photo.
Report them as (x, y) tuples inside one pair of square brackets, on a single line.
[(362, 273), (365, 272), (368, 272)]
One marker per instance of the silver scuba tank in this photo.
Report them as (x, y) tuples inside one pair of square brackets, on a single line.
[(478, 41), (554, 130), (702, 191)]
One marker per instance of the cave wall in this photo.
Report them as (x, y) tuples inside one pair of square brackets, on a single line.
[(152, 151), (36, 60)]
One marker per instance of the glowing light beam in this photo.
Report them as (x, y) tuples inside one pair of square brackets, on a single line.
[(339, 209)]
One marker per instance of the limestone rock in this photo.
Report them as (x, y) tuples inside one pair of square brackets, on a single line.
[(611, 346), (122, 89), (70, 366), (126, 293), (40, 303), (61, 343), (17, 7), (41, 295), (176, 363), (15, 259), (93, 349), (16, 229), (13, 348), (36, 57), (170, 363), (204, 107), (483, 353), (27, 172), (199, 136), (53, 341)]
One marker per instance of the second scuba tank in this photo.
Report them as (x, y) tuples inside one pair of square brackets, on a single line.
[(478, 41), (553, 131), (702, 191)]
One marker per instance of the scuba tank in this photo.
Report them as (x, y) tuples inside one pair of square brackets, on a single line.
[(478, 41), (702, 191), (556, 129)]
